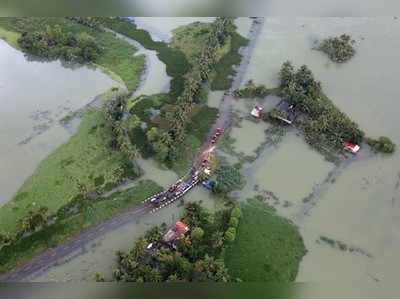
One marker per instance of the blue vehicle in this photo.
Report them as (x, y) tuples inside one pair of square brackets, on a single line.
[(209, 184)]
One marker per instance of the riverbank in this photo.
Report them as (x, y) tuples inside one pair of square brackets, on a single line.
[(175, 61), (86, 159)]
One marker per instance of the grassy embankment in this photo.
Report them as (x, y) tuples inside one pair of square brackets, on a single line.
[(86, 159), (267, 247), (117, 58), (64, 228)]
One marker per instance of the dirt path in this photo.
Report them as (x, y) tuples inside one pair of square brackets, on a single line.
[(50, 257)]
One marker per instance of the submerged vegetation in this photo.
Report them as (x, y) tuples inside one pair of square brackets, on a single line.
[(267, 247), (197, 256), (339, 49)]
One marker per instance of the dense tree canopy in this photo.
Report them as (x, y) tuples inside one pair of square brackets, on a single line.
[(323, 123), (198, 256), (53, 43)]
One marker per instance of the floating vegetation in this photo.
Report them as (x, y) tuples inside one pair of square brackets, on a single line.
[(339, 49)]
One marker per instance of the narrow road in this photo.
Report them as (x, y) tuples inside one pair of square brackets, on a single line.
[(50, 257)]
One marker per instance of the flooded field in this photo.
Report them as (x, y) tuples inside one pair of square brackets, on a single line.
[(361, 205), (356, 203), (99, 255), (34, 96)]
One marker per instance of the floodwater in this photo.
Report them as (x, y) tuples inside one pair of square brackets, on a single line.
[(100, 255), (360, 205), (357, 203), (34, 96), (154, 79)]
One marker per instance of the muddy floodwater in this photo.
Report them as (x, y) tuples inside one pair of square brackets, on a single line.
[(34, 96), (356, 203), (360, 204), (100, 255)]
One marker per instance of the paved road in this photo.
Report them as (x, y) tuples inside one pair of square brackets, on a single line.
[(50, 257)]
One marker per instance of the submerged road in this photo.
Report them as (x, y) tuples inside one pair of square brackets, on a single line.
[(50, 257)]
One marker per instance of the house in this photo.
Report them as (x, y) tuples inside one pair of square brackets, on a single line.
[(257, 111), (287, 112), (175, 233), (351, 147)]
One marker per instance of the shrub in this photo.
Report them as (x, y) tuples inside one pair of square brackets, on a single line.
[(251, 90), (339, 49), (236, 212), (383, 144), (230, 235), (197, 233), (234, 222)]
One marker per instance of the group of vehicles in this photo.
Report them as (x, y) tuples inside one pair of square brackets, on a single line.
[(184, 184)]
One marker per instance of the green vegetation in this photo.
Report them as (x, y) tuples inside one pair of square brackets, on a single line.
[(86, 159), (224, 69), (175, 61), (228, 179), (324, 125), (10, 37), (197, 129), (339, 49), (190, 39), (70, 221), (58, 37), (251, 90), (197, 257), (267, 248), (218, 36), (383, 144), (53, 43)]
